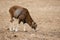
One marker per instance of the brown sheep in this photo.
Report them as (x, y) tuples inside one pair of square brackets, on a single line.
[(22, 14)]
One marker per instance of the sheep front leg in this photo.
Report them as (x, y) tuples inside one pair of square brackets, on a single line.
[(21, 18), (19, 21), (24, 29)]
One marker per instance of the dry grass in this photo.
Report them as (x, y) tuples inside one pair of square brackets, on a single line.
[(46, 13)]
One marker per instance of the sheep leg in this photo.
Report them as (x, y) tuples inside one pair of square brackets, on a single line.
[(24, 26), (19, 21), (24, 29), (11, 19)]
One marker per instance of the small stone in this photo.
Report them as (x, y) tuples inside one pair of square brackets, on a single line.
[(15, 35)]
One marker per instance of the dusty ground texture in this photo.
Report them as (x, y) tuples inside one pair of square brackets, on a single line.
[(46, 13)]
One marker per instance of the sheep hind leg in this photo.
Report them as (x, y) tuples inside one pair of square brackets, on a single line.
[(11, 19)]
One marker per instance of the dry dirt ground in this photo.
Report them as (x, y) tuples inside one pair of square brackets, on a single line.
[(46, 13)]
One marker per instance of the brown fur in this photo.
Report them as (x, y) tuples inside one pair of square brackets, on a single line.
[(23, 17)]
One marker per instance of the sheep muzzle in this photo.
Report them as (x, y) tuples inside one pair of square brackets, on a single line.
[(34, 25)]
